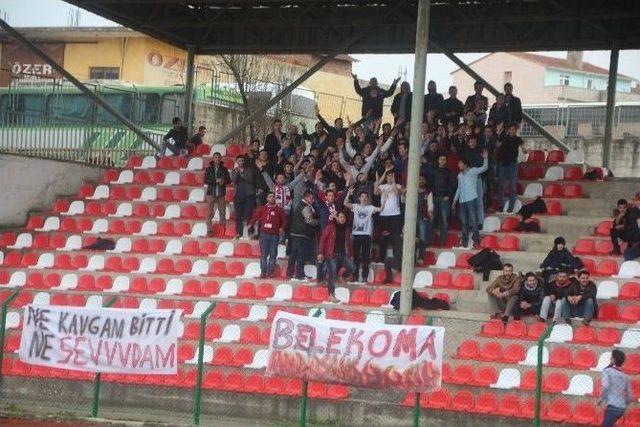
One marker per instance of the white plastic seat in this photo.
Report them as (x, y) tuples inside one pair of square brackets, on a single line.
[(94, 301), (100, 226), (628, 270), (310, 271), (195, 164), (199, 268), (343, 295), (580, 385), (124, 209), (147, 265), (69, 281), (230, 333), (252, 270), (171, 212), (228, 289), (101, 192), (219, 148), (13, 320), (149, 162), (554, 173), (207, 355), (73, 243), (123, 245), (148, 304), (422, 279), (260, 359), (24, 240), (52, 223), (516, 206), (603, 361), (375, 318), (532, 356), (446, 260), (225, 249), (199, 308), (148, 194), (120, 284), (560, 333), (491, 224), (574, 157), (284, 292), (257, 312), (196, 195), (96, 263), (630, 339), (174, 247), (607, 289), (125, 177), (75, 208), (171, 178), (149, 228), (508, 378), (45, 260), (41, 298), (199, 230), (17, 279), (174, 287), (533, 190)]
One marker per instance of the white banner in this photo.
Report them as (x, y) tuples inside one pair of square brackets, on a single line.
[(403, 357), (128, 341)]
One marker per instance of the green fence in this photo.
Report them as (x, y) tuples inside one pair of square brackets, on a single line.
[(211, 390)]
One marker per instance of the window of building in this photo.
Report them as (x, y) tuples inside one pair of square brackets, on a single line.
[(589, 84), (507, 77), (564, 80), (104, 73)]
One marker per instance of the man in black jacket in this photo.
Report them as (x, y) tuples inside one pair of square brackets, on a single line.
[(470, 102), (401, 106), (512, 104), (244, 198), (217, 178), (179, 135), (304, 222), (452, 108), (442, 183), (433, 100), (372, 97), (625, 225), (530, 297), (273, 142), (554, 294), (581, 301)]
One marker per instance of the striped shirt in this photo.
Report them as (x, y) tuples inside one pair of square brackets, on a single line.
[(616, 388)]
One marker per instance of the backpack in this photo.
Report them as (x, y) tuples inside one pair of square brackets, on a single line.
[(101, 245), (485, 261), (538, 206)]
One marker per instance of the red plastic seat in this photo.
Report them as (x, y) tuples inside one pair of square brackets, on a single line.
[(264, 291), (608, 337), (359, 297), (462, 401), (509, 224), (510, 406), (61, 205), (486, 403), (514, 353), (584, 247), (242, 250), (274, 385), (528, 380), (559, 410), (443, 279), (462, 260), (606, 267), (629, 291), (469, 349), (485, 376), (461, 374), (166, 229), (29, 259), (630, 314), (572, 191), (254, 384), (490, 241), (583, 413), (250, 335), (604, 247), (584, 359), (492, 328), (608, 312), (535, 156), (464, 281), (117, 193), (554, 207), (603, 228), (560, 357), (509, 243), (221, 311), (34, 222), (379, 297), (555, 382), (552, 190), (573, 173), (319, 295), (185, 352), (490, 352), (243, 356), (555, 156), (239, 311), (40, 241), (182, 229), (584, 335), (439, 399)]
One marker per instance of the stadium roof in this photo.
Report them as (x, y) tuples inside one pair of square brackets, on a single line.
[(379, 26)]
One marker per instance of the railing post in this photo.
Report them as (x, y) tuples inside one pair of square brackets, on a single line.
[(416, 401), (95, 407), (3, 321), (198, 391), (303, 406), (544, 336)]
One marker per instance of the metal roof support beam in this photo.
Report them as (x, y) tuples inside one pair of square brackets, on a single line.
[(77, 83), (188, 99), (526, 117), (415, 131), (611, 105)]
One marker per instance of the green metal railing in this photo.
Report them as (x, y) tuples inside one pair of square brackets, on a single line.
[(3, 320), (544, 336), (197, 397), (97, 379)]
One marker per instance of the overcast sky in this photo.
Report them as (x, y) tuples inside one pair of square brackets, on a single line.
[(385, 67)]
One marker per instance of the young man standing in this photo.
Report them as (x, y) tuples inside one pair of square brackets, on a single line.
[(303, 229), (616, 391), (467, 197), (433, 100), (477, 99), (581, 301), (425, 216), (272, 220), (390, 216), (334, 250), (625, 225), (508, 165), (452, 108), (178, 134), (513, 104), (244, 198), (442, 183), (217, 178), (503, 293), (372, 97), (361, 231), (273, 142)]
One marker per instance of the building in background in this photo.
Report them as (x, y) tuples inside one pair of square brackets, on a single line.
[(539, 79)]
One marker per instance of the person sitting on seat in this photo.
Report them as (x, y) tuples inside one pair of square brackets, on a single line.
[(581, 301), (554, 294), (503, 293), (625, 225), (178, 134), (530, 297), (196, 140), (559, 258)]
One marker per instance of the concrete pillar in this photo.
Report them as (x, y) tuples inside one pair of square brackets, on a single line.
[(188, 96), (611, 105), (415, 135)]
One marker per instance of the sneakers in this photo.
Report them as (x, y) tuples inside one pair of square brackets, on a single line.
[(616, 252), (299, 279), (263, 275), (586, 322), (333, 300)]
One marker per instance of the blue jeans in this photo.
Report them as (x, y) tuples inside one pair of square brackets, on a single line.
[(509, 172), (243, 206), (611, 415), (299, 253), (467, 212), (441, 216), (424, 235), (583, 309), (333, 265), (268, 249)]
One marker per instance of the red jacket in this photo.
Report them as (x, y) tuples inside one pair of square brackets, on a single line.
[(327, 244), (272, 219)]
